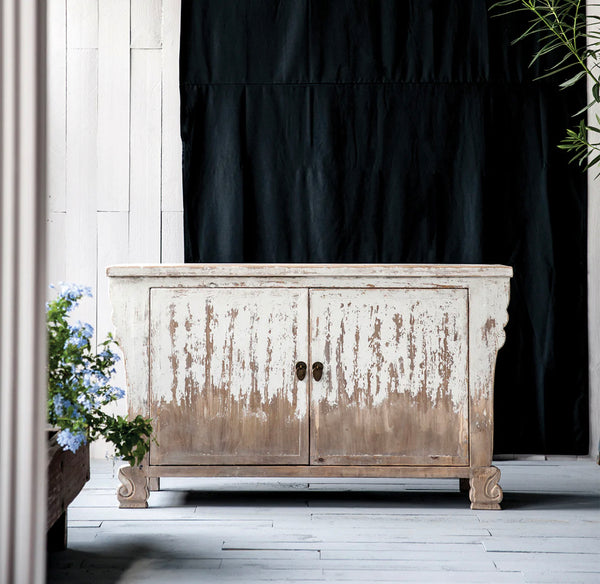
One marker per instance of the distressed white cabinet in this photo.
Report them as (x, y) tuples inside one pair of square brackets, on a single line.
[(313, 370)]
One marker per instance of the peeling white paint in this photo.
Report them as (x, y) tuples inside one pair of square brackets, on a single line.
[(242, 341), (447, 315), (378, 342)]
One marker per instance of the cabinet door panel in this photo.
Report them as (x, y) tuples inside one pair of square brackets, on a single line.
[(394, 388), (223, 388)]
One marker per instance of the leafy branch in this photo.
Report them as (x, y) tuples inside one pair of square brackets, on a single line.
[(567, 35)]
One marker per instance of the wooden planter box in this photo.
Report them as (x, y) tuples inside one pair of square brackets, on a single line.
[(67, 474)]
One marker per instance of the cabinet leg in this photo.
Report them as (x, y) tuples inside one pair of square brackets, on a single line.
[(56, 538), (485, 492), (463, 485), (133, 492), (154, 483)]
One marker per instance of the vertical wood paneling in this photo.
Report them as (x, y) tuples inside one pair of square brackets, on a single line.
[(56, 104), (112, 249), (113, 106), (172, 188), (594, 276), (172, 237), (82, 24), (145, 215), (56, 253), (81, 167), (146, 24)]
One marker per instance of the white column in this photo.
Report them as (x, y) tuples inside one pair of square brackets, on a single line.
[(22, 276), (594, 274)]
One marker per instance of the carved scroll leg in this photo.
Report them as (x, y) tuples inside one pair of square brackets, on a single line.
[(485, 492), (133, 492), (154, 483)]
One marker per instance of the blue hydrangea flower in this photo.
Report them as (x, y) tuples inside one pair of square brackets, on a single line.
[(82, 329), (101, 378), (118, 392), (60, 404), (73, 292), (71, 440), (85, 401), (77, 341)]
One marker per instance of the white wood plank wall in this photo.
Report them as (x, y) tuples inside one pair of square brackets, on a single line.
[(114, 154), (594, 276), (114, 158)]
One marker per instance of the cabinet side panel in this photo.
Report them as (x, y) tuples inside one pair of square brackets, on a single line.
[(223, 382), (488, 316), (395, 381)]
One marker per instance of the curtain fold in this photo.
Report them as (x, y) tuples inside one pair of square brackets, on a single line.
[(396, 131)]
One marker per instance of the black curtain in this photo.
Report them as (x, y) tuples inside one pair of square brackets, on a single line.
[(396, 131)]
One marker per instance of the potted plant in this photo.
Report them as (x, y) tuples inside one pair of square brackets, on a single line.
[(78, 388)]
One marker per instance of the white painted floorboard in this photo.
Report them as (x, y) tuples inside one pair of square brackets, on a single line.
[(338, 530)]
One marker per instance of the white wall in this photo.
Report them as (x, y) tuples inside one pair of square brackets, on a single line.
[(594, 277), (115, 153)]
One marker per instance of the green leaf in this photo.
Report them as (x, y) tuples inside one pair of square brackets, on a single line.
[(573, 80)]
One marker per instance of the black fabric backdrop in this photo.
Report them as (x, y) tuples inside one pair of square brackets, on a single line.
[(396, 131)]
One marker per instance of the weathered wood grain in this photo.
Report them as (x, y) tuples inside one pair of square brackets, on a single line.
[(366, 471), (593, 263), (113, 106), (133, 492), (67, 474), (172, 177), (56, 257), (56, 103), (408, 356), (227, 358), (395, 387), (485, 492), (82, 174), (324, 270), (146, 16), (145, 144), (172, 247), (82, 24)]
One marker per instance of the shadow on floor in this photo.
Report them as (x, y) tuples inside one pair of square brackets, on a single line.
[(349, 499), (107, 567), (555, 501), (320, 498)]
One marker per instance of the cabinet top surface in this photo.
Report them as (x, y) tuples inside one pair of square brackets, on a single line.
[(303, 270)]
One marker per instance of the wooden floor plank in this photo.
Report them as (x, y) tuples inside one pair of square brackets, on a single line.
[(427, 577), (344, 530), (577, 545)]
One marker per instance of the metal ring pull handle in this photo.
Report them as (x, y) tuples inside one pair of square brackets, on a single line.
[(317, 370), (301, 370)]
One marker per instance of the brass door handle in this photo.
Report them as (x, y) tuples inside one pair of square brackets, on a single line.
[(317, 370), (301, 370)]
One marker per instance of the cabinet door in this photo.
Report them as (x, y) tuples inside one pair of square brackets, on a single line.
[(394, 388), (223, 385)]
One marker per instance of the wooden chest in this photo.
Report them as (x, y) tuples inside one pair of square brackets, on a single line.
[(313, 370)]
